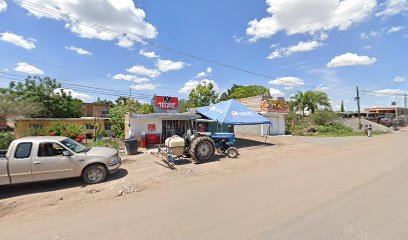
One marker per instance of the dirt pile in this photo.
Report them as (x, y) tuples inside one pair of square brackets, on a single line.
[(353, 124)]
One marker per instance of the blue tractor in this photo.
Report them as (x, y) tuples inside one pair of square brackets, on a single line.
[(198, 145)]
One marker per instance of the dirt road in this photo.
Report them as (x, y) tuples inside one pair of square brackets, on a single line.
[(300, 188)]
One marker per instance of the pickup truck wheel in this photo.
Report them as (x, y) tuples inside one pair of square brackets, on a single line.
[(95, 173)]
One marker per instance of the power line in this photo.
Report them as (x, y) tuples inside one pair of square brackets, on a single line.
[(62, 16), (83, 86), (90, 90)]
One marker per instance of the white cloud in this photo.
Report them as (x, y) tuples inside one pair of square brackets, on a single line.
[(78, 50), (393, 7), (27, 43), (151, 54), (276, 93), (3, 5), (350, 59), (287, 82), (400, 79), (130, 78), (28, 69), (311, 16), (168, 65), (371, 34), (145, 86), (121, 16), (300, 47), (206, 73), (125, 43), (190, 85), (74, 94), (142, 70), (386, 92), (395, 29)]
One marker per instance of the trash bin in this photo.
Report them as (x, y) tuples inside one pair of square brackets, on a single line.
[(131, 146)]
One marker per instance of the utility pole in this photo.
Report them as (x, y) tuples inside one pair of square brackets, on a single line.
[(360, 126), (405, 108)]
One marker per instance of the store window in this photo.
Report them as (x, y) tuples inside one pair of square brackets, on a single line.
[(173, 127)]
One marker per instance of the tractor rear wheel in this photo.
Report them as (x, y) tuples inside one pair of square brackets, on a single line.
[(202, 149)]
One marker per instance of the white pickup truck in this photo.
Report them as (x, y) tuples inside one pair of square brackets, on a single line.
[(33, 159)]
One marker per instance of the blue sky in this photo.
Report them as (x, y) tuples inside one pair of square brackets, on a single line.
[(330, 45)]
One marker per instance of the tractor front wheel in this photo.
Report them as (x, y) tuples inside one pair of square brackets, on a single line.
[(202, 149)]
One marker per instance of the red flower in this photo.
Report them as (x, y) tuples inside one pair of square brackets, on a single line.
[(52, 133)]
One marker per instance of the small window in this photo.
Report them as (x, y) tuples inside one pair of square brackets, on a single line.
[(108, 126), (50, 150), (23, 150)]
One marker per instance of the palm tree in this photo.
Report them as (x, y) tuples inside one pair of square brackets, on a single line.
[(316, 99), (310, 100), (299, 102)]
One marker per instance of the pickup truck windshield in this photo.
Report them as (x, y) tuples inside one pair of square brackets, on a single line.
[(73, 145)]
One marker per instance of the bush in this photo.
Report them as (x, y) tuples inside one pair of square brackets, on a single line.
[(324, 118), (35, 132), (72, 131), (5, 139), (105, 143), (334, 129)]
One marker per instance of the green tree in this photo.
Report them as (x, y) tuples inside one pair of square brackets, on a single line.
[(310, 100), (103, 101), (203, 95), (118, 112), (183, 106), (299, 102), (342, 107), (238, 91), (47, 92), (316, 99), (12, 107), (146, 108)]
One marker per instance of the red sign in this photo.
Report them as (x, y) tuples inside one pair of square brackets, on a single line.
[(166, 102), (151, 128)]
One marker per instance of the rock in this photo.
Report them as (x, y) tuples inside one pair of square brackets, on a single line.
[(126, 189), (92, 191)]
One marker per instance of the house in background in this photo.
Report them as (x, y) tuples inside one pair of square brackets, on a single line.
[(95, 110), (24, 124)]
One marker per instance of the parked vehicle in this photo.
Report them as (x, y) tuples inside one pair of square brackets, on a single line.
[(200, 146), (385, 121), (33, 159)]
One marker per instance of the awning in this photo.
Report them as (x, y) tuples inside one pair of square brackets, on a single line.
[(233, 113)]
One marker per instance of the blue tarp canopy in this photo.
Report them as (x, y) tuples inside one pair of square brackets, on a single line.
[(233, 113)]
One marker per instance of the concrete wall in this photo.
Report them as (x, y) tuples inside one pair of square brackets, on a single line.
[(139, 125)]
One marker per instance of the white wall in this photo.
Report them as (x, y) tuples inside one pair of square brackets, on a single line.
[(140, 125), (278, 126)]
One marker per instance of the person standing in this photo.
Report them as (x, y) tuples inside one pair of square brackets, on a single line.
[(370, 131), (366, 130)]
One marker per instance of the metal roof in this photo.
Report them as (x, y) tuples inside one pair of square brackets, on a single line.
[(182, 116)]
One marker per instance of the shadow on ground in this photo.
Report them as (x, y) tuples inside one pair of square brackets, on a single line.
[(50, 186), (248, 143)]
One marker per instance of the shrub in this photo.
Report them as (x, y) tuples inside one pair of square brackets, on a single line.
[(334, 129), (324, 118), (5, 139), (35, 132), (72, 131), (105, 143)]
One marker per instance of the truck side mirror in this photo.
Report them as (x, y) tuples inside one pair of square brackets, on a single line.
[(66, 153)]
